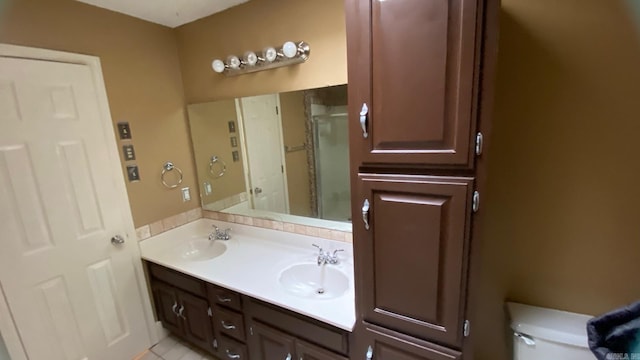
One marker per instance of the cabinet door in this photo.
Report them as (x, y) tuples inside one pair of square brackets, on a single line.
[(306, 351), (194, 312), (412, 63), (381, 344), (166, 301), (411, 262), (267, 343)]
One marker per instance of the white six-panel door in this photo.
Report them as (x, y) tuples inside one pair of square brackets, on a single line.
[(72, 293), (263, 136)]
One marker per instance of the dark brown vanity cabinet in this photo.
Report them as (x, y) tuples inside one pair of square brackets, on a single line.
[(234, 326), (185, 314), (420, 93)]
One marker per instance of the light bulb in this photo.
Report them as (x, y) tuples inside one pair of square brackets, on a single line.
[(250, 58), (233, 61), (269, 54), (218, 65), (290, 49)]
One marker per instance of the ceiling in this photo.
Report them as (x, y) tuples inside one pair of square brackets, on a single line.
[(171, 13)]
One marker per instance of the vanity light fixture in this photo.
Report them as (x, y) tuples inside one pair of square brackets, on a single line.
[(269, 58)]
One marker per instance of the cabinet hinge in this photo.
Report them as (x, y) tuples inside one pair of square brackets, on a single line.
[(466, 328), (475, 204), (479, 143), (209, 312), (277, 111), (215, 344), (251, 330)]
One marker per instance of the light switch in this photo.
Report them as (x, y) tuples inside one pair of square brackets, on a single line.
[(124, 131), (129, 153), (132, 173), (207, 188), (186, 194)]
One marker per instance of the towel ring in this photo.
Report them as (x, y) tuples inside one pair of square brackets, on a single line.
[(216, 160), (168, 167)]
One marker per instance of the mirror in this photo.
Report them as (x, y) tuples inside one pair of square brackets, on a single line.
[(280, 156)]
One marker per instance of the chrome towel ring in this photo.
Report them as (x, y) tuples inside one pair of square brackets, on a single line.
[(166, 168), (223, 167)]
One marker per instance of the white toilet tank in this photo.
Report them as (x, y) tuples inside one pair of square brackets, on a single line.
[(547, 334)]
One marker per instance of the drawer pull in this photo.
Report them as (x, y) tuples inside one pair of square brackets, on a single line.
[(227, 326), (369, 353), (288, 357), (231, 355), (181, 312), (223, 299)]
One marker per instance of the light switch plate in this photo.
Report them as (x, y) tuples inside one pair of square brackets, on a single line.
[(124, 131), (186, 194)]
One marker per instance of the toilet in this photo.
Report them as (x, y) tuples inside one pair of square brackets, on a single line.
[(547, 334)]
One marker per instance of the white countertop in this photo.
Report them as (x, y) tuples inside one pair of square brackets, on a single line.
[(252, 264)]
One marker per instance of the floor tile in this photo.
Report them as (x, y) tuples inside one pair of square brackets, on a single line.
[(176, 352), (150, 356), (191, 355), (164, 345)]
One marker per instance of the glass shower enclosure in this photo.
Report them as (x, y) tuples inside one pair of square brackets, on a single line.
[(331, 147)]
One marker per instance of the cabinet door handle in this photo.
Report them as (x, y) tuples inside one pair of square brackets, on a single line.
[(174, 307), (364, 112), (223, 299), (288, 357), (365, 213), (369, 353), (231, 355), (181, 311), (227, 326)]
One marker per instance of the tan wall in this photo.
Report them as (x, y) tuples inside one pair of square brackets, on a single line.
[(294, 134), (562, 224), (257, 24), (210, 136), (143, 82)]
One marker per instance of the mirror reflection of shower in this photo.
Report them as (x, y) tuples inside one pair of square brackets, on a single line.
[(331, 143)]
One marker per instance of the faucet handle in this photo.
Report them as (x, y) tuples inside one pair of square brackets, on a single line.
[(319, 247), (335, 252)]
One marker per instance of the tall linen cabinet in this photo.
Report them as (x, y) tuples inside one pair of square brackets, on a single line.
[(420, 95)]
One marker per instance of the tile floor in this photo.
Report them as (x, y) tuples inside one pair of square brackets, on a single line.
[(173, 349)]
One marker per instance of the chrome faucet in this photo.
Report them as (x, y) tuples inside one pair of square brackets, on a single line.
[(325, 257), (219, 234)]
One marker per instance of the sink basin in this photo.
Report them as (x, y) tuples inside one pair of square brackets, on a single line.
[(202, 249), (314, 282)]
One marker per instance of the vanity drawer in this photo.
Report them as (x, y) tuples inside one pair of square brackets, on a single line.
[(231, 349), (224, 297), (179, 280), (229, 322)]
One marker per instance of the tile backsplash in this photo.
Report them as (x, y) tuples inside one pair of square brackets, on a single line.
[(169, 223)]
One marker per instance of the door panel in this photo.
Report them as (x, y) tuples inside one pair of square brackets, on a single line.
[(413, 258), (262, 128), (416, 75), (197, 325), (306, 351), (76, 296), (268, 343), (389, 345)]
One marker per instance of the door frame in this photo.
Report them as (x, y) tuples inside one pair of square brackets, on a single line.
[(8, 328)]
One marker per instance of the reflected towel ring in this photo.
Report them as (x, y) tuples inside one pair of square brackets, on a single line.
[(168, 167), (216, 160)]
